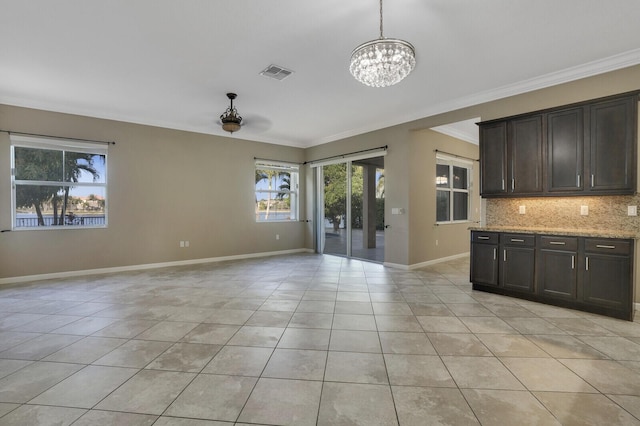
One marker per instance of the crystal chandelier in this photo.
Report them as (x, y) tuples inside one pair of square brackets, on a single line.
[(382, 62), (231, 120)]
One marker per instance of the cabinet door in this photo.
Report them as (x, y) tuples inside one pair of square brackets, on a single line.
[(493, 158), (612, 162), (484, 264), (524, 153), (565, 140), (517, 269), (607, 281), (557, 277)]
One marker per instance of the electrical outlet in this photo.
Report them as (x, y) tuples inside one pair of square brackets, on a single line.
[(436, 242), (181, 243), (186, 243), (584, 210), (522, 209), (632, 210), (277, 236)]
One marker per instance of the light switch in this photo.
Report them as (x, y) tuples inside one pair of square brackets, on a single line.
[(632, 210), (584, 210)]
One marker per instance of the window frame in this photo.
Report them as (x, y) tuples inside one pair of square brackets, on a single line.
[(62, 145), (293, 192), (452, 162)]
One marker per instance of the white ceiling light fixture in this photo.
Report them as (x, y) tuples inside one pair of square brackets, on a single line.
[(231, 120), (382, 62)]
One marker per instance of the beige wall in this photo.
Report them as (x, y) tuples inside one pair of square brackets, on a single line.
[(200, 187), (164, 186)]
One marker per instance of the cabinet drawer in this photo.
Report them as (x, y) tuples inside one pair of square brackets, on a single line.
[(484, 237), (607, 246), (559, 243), (524, 240)]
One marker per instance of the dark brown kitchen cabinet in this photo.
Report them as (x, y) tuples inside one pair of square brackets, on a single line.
[(493, 158), (511, 157), (517, 262), (607, 274), (590, 274), (557, 275), (612, 146), (484, 258), (524, 155), (582, 149), (565, 158)]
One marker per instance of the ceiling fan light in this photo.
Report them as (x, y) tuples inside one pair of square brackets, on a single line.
[(231, 120), (230, 126)]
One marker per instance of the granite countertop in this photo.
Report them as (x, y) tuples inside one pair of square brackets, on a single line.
[(602, 233)]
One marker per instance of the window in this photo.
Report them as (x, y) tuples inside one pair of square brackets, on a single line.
[(452, 189), (276, 192), (58, 183)]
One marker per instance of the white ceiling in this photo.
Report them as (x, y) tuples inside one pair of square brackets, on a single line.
[(170, 63)]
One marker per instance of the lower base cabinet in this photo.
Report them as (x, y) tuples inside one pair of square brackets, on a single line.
[(589, 274)]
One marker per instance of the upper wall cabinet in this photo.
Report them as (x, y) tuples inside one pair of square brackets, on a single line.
[(565, 137), (493, 158), (511, 157), (612, 146), (582, 149)]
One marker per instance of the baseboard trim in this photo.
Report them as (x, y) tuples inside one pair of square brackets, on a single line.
[(427, 263), (67, 274)]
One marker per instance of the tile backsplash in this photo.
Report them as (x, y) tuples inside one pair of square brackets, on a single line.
[(605, 213)]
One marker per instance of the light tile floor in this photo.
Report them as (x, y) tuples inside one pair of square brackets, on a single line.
[(306, 340)]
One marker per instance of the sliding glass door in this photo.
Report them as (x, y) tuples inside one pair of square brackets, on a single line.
[(352, 209)]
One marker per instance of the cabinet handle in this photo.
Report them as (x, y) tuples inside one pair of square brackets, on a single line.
[(483, 238), (504, 255), (513, 184), (578, 181), (573, 262), (495, 253), (586, 263), (592, 181), (517, 240), (503, 184), (557, 243), (605, 246)]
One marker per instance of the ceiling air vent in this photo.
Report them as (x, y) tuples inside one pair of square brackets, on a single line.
[(277, 72)]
